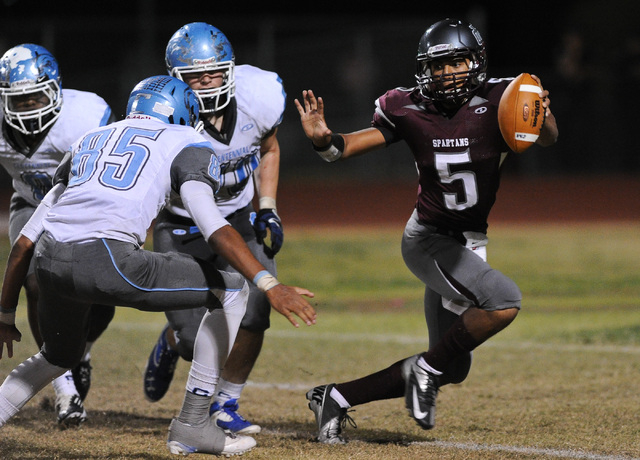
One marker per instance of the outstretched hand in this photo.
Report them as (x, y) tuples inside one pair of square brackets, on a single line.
[(312, 119), (9, 333), (287, 301)]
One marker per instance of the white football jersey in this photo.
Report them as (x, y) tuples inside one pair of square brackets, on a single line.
[(260, 101), (32, 176), (122, 175)]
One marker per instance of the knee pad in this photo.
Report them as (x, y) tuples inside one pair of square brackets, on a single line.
[(501, 292), (256, 318)]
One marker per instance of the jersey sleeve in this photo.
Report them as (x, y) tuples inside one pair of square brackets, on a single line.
[(61, 175), (81, 112), (382, 119), (196, 162)]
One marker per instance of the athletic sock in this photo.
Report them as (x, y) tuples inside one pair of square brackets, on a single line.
[(64, 385), (456, 341), (337, 397), (24, 382), (385, 384), (227, 390), (202, 379)]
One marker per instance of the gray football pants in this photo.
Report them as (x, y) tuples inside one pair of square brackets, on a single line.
[(74, 276), (20, 211), (449, 270), (175, 233)]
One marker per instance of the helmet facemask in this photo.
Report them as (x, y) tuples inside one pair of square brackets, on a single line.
[(455, 87), (212, 100), (31, 121)]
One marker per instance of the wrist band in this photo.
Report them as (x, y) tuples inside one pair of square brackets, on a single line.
[(333, 151), (265, 280), (266, 202), (8, 318), (7, 310)]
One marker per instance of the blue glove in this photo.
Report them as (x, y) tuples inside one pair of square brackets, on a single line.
[(268, 219)]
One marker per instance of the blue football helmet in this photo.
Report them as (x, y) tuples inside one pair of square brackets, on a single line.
[(165, 98), (451, 39), (29, 77), (200, 47)]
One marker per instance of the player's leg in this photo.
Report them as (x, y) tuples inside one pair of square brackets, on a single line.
[(23, 383), (177, 337), (68, 401), (130, 276), (176, 340), (193, 430), (248, 344), (99, 318), (64, 323), (458, 274), (330, 403), (439, 320)]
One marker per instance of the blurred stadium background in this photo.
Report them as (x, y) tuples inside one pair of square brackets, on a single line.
[(587, 54)]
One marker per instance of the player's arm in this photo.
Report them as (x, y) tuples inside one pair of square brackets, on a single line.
[(266, 178), (330, 146), (549, 132), (14, 276), (225, 241), (18, 266), (268, 173), (16, 270)]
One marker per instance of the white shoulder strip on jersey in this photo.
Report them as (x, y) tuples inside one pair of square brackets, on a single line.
[(33, 228), (382, 115), (197, 198)]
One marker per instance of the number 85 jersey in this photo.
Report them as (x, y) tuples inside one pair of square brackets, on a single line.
[(458, 157), (122, 175)]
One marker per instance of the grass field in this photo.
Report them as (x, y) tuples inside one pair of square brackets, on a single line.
[(560, 382)]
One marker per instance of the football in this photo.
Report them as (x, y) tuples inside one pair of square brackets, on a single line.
[(520, 113)]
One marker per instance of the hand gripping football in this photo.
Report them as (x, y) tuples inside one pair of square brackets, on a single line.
[(520, 113)]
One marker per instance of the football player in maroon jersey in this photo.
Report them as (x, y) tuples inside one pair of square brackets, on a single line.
[(450, 123)]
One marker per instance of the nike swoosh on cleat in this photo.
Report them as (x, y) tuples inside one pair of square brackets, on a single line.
[(417, 413)]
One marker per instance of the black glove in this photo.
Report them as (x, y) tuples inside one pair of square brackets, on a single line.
[(269, 219)]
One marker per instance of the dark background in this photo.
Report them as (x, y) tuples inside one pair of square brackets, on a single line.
[(587, 54)]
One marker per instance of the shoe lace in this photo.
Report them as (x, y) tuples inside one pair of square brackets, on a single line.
[(343, 419), (347, 419)]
